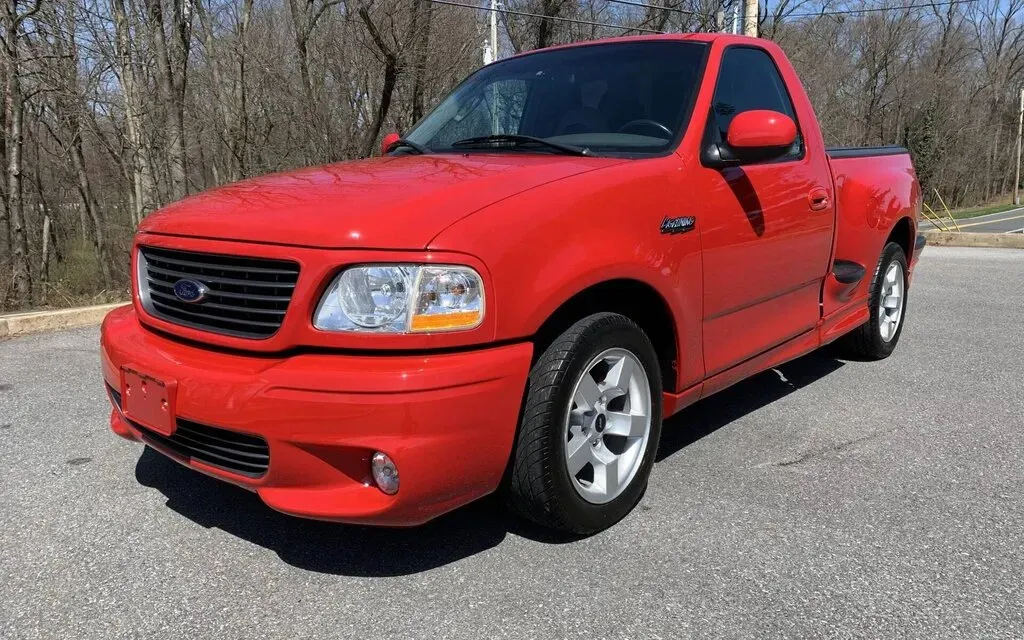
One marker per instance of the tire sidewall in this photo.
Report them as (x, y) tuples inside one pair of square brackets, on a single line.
[(892, 252), (613, 332)]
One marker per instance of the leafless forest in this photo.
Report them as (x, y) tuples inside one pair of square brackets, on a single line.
[(114, 107)]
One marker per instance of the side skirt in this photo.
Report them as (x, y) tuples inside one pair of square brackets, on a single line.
[(828, 330), (793, 348)]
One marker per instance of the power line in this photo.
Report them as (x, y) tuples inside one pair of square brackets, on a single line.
[(654, 6), (816, 14), (539, 15), (839, 12)]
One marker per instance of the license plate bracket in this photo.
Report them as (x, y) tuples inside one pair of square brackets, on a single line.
[(148, 400)]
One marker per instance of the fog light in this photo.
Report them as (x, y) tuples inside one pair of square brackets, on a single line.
[(385, 473)]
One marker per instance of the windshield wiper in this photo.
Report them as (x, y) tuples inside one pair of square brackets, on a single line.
[(409, 144), (515, 139)]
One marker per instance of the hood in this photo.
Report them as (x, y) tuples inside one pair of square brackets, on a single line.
[(398, 202)]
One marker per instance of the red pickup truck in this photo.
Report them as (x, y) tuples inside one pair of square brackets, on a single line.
[(575, 244)]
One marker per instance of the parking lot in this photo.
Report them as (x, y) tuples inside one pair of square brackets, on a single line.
[(824, 498)]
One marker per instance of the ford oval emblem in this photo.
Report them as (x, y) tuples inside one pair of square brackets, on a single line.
[(191, 291)]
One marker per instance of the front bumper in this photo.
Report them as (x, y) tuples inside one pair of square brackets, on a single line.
[(448, 420)]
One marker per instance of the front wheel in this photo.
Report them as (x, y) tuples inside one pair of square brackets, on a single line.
[(590, 427), (887, 304)]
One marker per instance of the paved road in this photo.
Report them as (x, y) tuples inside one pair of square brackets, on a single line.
[(829, 498), (1011, 221)]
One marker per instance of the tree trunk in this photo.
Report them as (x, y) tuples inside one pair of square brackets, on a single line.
[(386, 92), (73, 106), (299, 10), (5, 218), (420, 70), (14, 114), (143, 196), (173, 106), (240, 142), (222, 167), (5, 231), (44, 267), (387, 89), (546, 30), (92, 211), (303, 21)]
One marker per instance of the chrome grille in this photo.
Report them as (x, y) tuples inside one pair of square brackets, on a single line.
[(244, 296)]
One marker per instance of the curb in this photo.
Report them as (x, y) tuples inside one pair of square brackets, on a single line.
[(20, 324), (953, 239)]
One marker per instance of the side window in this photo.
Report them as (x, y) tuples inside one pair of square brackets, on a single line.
[(748, 80)]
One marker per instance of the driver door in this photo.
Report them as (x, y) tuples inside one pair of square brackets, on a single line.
[(765, 250)]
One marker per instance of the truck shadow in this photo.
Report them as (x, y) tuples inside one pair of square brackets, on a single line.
[(709, 415), (369, 551)]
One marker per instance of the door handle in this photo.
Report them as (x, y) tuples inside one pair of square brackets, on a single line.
[(817, 199)]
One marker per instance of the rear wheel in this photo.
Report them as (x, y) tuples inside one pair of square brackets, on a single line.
[(887, 304), (590, 427)]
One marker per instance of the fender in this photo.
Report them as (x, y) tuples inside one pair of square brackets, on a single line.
[(548, 244), (867, 214)]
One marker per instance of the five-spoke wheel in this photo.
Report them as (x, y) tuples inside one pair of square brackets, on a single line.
[(590, 426), (890, 303), (887, 306), (608, 424)]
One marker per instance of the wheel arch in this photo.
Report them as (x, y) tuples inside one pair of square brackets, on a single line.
[(637, 300), (902, 233)]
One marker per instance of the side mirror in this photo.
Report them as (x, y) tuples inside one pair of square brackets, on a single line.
[(761, 131), (389, 139), (752, 136)]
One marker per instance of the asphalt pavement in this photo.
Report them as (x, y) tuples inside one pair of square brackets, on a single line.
[(823, 499), (1011, 221)]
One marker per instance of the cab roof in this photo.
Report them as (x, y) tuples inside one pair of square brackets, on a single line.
[(681, 37)]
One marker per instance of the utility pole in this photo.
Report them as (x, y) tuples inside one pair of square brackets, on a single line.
[(492, 48), (1020, 129), (494, 30), (735, 17), (750, 18)]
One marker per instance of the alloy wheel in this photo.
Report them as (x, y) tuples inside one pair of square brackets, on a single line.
[(890, 303), (608, 425)]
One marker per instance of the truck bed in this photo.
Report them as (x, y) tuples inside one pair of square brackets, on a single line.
[(837, 153), (874, 187)]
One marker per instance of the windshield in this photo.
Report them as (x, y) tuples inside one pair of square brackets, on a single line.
[(624, 98)]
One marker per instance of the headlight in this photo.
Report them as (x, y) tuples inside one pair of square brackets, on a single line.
[(402, 298)]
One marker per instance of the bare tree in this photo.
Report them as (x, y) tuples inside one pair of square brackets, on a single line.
[(64, 122), (138, 167), (15, 15), (171, 73), (114, 107)]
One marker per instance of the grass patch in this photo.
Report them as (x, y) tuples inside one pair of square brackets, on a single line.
[(77, 282), (983, 210)]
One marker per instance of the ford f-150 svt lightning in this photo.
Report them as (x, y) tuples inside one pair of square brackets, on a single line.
[(575, 244)]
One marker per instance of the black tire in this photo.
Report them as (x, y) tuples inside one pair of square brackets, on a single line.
[(540, 488), (865, 342)]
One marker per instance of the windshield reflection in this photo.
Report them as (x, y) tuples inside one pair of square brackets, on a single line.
[(631, 98)]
